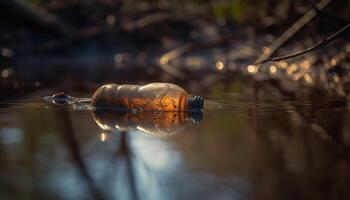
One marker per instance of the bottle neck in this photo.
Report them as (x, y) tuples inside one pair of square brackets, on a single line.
[(194, 103)]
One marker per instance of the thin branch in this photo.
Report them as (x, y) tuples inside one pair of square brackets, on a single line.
[(292, 30), (146, 21), (323, 131), (314, 47)]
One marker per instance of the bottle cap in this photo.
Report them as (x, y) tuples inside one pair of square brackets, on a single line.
[(195, 102)]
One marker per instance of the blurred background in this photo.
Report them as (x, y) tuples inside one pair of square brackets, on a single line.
[(277, 130), (46, 42)]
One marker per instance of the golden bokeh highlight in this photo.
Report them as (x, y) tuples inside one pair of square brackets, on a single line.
[(219, 65), (252, 69), (164, 60), (333, 62), (273, 69), (103, 137)]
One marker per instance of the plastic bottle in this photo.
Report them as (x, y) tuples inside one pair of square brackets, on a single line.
[(150, 97)]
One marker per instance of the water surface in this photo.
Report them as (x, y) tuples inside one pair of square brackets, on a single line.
[(252, 143)]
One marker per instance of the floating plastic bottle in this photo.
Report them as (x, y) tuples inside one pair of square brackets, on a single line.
[(150, 97)]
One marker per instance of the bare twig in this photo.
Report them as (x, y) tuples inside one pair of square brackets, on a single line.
[(314, 47), (292, 30), (146, 21)]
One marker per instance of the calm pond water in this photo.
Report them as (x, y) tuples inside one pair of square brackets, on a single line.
[(252, 143)]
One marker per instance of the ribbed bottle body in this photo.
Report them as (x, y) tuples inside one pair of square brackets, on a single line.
[(150, 97)]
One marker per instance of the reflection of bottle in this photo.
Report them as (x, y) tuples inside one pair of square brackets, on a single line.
[(161, 124), (150, 97)]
